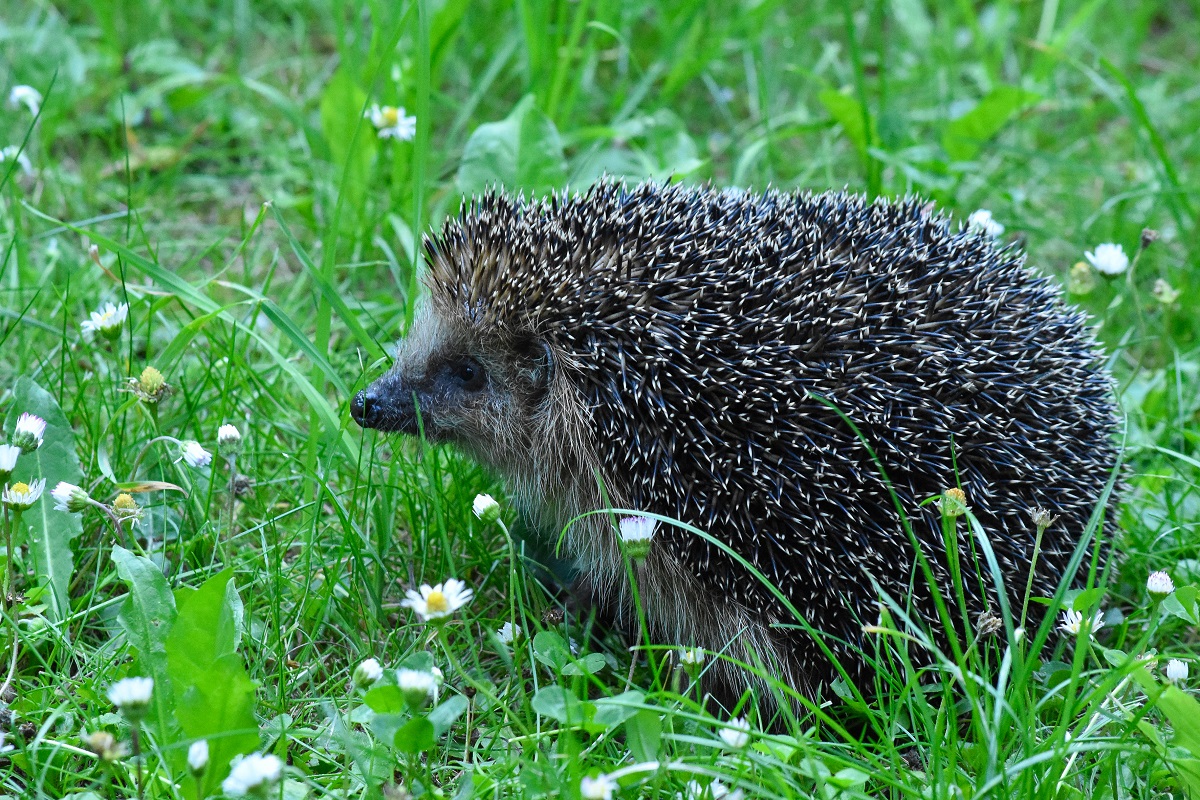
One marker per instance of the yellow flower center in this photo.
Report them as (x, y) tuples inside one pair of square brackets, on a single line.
[(391, 115), (151, 381), (437, 603), (125, 502), (107, 315), (19, 488)]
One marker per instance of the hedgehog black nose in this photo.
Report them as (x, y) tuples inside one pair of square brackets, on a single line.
[(362, 408)]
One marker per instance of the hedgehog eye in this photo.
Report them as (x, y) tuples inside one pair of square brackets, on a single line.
[(469, 374)]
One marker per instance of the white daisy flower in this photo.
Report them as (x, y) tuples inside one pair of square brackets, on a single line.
[(691, 656), (107, 321), (194, 454), (28, 433), (197, 756), (600, 787), (254, 773), (132, 696), (737, 734), (229, 440), (15, 153), (8, 457), (1073, 622), (435, 602), (391, 122), (21, 496), (1108, 259), (636, 533), (1159, 585), (486, 508), (982, 222), (1177, 670), (69, 497), (418, 687), (367, 673), (508, 633), (27, 96)]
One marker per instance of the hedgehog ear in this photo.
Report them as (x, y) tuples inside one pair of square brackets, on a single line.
[(539, 360)]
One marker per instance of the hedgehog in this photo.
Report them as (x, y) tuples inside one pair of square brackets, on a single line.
[(789, 373)]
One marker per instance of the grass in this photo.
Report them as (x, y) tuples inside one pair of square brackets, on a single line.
[(263, 236)]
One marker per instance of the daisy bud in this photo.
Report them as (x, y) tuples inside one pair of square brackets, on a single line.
[(1159, 585), (1177, 670), (105, 745), (69, 497), (486, 508), (418, 687), (636, 534), (197, 757), (195, 455), (132, 696), (508, 633), (367, 673), (953, 503), (28, 433), (229, 441)]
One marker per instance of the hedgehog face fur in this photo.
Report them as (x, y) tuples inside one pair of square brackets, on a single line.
[(683, 344)]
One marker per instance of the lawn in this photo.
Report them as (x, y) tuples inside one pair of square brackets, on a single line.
[(247, 185)]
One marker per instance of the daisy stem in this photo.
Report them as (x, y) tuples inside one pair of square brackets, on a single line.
[(9, 527), (137, 462), (137, 758), (230, 504)]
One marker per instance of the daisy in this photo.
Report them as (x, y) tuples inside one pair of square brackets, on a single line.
[(982, 222), (486, 508), (600, 787), (21, 496), (1108, 259), (254, 773), (8, 457), (391, 122), (508, 633), (438, 601), (1073, 622), (107, 321), (197, 756), (27, 96), (737, 734)]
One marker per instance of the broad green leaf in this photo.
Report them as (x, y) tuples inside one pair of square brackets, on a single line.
[(588, 665), (351, 139), (560, 704), (147, 616), (1184, 712), (374, 761), (385, 700), (643, 735), (611, 711), (964, 136), (552, 650), (848, 112), (49, 532), (415, 737), (214, 696), (447, 713), (523, 151)]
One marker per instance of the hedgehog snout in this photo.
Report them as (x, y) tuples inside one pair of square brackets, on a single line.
[(377, 407)]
